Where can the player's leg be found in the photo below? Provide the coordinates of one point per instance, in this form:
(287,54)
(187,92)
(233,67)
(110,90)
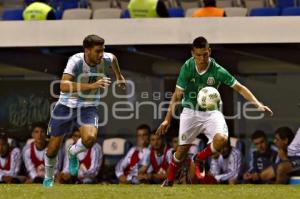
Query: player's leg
(268,173)
(88,138)
(189,128)
(218,142)
(215,129)
(282,172)
(51,159)
(59,124)
(87,119)
(178,158)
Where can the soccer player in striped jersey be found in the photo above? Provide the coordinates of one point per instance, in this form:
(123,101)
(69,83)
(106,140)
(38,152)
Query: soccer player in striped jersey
(80,86)
(198,72)
(227,166)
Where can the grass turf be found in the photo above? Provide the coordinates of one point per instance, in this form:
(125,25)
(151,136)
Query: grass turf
(149,192)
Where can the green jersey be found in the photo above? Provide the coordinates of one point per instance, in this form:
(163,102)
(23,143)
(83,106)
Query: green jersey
(191,81)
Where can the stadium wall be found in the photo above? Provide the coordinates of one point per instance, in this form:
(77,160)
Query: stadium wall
(231,30)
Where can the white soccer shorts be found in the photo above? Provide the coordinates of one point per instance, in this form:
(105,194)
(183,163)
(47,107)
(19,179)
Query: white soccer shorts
(193,122)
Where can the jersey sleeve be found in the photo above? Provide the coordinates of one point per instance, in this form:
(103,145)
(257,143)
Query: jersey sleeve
(71,65)
(182,78)
(234,166)
(226,78)
(108,59)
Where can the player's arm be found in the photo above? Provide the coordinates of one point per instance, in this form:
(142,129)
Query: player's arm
(67,84)
(247,94)
(116,68)
(142,174)
(176,97)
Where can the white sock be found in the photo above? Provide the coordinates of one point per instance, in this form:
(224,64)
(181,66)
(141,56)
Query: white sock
(50,166)
(77,148)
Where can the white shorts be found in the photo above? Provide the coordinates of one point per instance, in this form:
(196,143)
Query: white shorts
(193,122)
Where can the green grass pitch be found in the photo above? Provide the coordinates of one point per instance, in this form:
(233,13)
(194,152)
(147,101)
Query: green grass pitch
(150,192)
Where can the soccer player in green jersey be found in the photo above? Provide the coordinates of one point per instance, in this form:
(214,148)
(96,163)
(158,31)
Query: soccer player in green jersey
(197,72)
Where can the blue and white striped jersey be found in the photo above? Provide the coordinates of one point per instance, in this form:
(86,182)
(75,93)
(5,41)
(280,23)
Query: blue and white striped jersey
(226,169)
(83,73)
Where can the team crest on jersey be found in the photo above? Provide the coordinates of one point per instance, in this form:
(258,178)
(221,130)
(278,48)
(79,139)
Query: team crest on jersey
(210,81)
(193,80)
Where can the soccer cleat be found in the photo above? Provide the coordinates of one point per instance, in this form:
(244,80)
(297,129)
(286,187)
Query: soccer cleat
(73,163)
(48,182)
(167,183)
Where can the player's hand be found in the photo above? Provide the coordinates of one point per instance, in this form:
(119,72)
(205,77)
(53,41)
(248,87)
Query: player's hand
(163,128)
(282,154)
(265,109)
(101,83)
(121,83)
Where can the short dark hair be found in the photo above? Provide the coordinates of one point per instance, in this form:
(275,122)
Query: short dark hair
(208,3)
(92,40)
(41,125)
(200,42)
(285,132)
(258,134)
(144,126)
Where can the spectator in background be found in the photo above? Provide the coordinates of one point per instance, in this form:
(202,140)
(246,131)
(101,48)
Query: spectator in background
(283,137)
(262,157)
(209,10)
(127,169)
(10,161)
(226,168)
(89,163)
(147,9)
(157,170)
(39,10)
(292,165)
(34,152)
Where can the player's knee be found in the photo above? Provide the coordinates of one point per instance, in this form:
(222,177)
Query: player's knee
(267,174)
(89,140)
(281,169)
(182,151)
(219,141)
(52,151)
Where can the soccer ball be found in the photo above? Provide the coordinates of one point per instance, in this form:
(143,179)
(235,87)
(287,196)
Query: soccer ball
(209,98)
